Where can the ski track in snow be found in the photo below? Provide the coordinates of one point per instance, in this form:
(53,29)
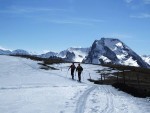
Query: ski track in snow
(107,106)
(88,98)
(80,107)
(109,102)
(81,103)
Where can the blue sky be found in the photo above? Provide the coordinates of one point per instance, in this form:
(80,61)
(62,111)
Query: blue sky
(41,25)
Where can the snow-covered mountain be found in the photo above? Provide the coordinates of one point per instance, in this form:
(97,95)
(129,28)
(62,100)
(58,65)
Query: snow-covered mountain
(5,52)
(14,52)
(19,52)
(146,58)
(74,54)
(71,54)
(48,55)
(108,50)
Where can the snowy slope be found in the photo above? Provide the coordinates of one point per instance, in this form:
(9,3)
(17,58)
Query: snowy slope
(19,52)
(74,54)
(79,53)
(14,52)
(48,55)
(24,88)
(146,58)
(5,52)
(70,54)
(109,50)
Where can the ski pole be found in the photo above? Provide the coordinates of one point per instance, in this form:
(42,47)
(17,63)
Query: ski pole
(89,75)
(75,75)
(82,76)
(67,74)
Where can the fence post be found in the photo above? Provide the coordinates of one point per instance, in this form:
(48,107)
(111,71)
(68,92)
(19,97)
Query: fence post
(138,80)
(101,77)
(117,76)
(124,81)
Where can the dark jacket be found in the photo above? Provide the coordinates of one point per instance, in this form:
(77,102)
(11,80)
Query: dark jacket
(79,69)
(73,67)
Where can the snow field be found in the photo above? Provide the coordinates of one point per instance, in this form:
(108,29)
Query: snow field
(25,88)
(40,100)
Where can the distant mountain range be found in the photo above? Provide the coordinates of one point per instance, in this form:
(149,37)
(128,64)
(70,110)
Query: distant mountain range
(71,54)
(105,50)
(15,52)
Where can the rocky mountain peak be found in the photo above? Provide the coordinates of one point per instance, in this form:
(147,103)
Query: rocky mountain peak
(114,51)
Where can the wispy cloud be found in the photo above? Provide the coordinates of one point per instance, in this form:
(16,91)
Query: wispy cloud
(128,1)
(141,16)
(134,4)
(119,35)
(75,21)
(71,1)
(89,19)
(68,21)
(51,15)
(22,10)
(139,1)
(146,1)
(65,19)
(139,7)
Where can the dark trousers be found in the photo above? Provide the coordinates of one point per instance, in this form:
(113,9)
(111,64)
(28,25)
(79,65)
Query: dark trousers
(72,73)
(79,76)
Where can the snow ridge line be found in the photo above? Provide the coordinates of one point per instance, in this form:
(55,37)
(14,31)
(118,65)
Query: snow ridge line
(82,100)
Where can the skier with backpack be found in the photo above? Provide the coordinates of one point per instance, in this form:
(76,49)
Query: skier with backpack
(79,69)
(72,67)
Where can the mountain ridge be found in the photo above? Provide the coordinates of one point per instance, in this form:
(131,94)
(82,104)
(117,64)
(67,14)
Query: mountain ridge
(110,50)
(105,50)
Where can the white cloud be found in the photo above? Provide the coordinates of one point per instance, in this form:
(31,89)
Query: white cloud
(141,16)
